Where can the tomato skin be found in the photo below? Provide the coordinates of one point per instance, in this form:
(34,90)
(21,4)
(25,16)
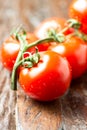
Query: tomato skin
(75,50)
(50,23)
(41,47)
(86,54)
(0,53)
(10,48)
(48,80)
(69,31)
(78,10)
(9,52)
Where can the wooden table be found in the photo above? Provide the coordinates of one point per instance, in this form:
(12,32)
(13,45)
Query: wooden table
(18,111)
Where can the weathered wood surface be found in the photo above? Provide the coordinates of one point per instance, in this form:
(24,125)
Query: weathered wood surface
(67,113)
(18,111)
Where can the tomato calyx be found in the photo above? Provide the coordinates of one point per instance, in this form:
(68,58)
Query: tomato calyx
(18,30)
(30,60)
(74,23)
(60,37)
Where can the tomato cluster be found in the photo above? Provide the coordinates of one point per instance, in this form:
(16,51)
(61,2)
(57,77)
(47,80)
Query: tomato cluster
(50,57)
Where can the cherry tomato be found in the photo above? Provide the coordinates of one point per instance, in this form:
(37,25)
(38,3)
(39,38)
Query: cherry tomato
(78,10)
(75,50)
(86,62)
(9,51)
(51,23)
(0,53)
(11,46)
(41,47)
(49,79)
(69,31)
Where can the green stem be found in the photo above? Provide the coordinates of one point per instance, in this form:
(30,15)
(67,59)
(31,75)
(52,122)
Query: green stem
(72,23)
(66,28)
(14,75)
(23,48)
(81,35)
(50,39)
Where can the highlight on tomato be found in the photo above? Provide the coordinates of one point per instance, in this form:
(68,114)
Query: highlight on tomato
(75,50)
(11,47)
(78,10)
(50,24)
(47,80)
(9,52)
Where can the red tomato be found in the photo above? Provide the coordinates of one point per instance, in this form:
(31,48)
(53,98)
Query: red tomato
(75,50)
(10,49)
(41,47)
(11,46)
(0,53)
(78,10)
(49,79)
(69,31)
(50,23)
(86,54)
(30,37)
(9,52)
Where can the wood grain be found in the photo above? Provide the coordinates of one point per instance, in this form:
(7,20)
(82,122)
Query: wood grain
(66,113)
(17,110)
(7,102)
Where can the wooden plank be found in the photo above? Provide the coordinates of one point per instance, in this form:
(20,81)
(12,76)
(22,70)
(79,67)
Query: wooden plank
(8,19)
(7,102)
(74,105)
(35,115)
(66,113)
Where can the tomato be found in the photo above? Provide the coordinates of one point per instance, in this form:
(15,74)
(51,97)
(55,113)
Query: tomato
(78,10)
(75,50)
(11,46)
(51,23)
(10,49)
(30,37)
(9,52)
(86,62)
(0,53)
(69,31)
(41,47)
(49,79)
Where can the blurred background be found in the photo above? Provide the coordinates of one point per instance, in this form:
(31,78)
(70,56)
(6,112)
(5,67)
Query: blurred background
(29,13)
